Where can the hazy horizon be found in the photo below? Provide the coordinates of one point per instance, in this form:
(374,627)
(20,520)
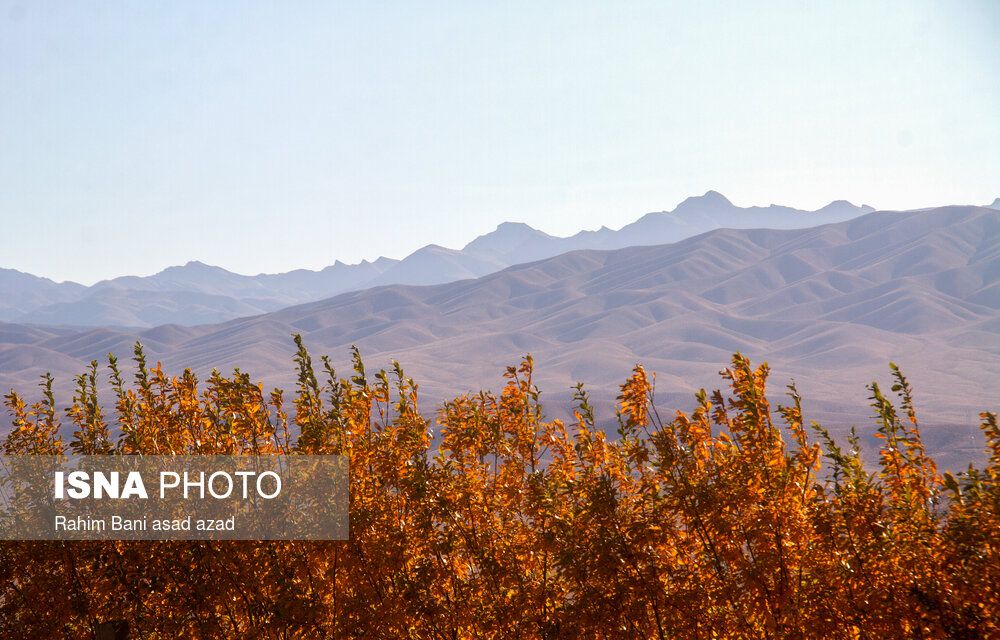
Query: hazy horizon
(458,246)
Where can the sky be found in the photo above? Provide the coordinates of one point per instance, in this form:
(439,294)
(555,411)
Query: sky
(264,137)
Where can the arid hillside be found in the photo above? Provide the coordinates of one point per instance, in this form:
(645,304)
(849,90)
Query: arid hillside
(829,306)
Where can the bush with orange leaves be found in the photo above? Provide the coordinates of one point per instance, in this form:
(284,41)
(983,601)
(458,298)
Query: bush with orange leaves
(716,524)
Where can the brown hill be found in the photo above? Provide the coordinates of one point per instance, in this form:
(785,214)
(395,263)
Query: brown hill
(829,306)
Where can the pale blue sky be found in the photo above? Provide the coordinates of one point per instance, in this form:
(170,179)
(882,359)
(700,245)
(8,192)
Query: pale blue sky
(137,135)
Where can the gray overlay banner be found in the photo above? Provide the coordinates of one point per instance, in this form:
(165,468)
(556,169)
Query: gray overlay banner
(275,497)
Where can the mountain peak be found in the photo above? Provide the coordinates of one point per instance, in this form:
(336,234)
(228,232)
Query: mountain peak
(513,226)
(193,265)
(506,237)
(840,206)
(193,272)
(995,205)
(711,201)
(512,230)
(713,196)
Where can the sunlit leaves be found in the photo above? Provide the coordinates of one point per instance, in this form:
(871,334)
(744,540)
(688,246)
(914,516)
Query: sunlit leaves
(725,522)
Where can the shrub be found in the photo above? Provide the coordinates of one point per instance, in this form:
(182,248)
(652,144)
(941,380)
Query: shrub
(706,525)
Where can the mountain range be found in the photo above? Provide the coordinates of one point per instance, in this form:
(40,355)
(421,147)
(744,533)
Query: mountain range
(198,293)
(829,306)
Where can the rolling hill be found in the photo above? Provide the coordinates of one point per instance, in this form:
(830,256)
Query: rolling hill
(197,293)
(829,306)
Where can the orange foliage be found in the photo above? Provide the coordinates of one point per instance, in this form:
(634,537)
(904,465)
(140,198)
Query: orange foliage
(709,525)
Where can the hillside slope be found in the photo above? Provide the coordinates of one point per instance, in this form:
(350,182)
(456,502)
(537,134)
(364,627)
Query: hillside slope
(829,306)
(197,293)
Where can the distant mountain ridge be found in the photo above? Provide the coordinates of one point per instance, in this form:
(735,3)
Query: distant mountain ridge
(22,291)
(198,293)
(829,306)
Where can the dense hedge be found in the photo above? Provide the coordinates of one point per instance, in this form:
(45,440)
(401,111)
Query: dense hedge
(706,525)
